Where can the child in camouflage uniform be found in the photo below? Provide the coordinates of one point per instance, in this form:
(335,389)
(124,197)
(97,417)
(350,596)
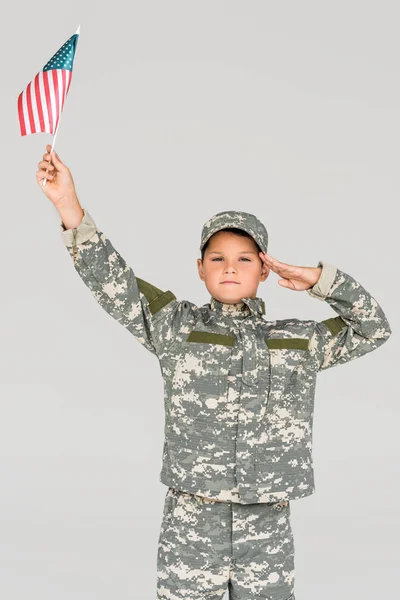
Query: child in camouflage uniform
(239,393)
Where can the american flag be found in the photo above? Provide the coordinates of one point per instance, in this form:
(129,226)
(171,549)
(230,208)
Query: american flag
(41,102)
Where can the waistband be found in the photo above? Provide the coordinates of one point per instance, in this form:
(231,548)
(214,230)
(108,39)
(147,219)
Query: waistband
(205,500)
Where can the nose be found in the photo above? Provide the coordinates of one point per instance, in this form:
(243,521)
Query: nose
(229,267)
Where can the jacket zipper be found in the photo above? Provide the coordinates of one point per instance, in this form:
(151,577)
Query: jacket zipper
(74,247)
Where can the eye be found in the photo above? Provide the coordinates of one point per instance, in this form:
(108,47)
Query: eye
(242,258)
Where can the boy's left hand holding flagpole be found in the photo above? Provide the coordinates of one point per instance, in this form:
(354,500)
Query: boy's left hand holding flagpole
(40,104)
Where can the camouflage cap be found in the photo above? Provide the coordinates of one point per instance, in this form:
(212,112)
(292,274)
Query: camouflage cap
(241,220)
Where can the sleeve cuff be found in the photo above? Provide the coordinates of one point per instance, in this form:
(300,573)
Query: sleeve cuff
(321,288)
(85,230)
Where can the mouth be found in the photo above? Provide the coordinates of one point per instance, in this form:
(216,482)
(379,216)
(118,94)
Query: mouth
(231,282)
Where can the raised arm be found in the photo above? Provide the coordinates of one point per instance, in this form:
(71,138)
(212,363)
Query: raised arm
(148,312)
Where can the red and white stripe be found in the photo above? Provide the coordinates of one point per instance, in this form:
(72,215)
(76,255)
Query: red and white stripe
(41,102)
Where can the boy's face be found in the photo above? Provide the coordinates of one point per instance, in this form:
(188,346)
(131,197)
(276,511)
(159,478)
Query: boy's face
(231,257)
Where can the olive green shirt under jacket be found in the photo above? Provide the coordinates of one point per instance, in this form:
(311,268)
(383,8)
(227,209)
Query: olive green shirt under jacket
(239,390)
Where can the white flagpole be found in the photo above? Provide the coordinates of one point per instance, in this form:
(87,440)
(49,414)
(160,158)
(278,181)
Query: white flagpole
(52,147)
(58,124)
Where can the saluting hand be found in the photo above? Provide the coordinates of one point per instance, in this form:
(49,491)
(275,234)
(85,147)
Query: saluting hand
(294,278)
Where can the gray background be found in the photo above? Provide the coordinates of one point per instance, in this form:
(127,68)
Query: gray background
(178,110)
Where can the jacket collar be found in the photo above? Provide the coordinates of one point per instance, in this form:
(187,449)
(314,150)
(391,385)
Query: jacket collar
(243,308)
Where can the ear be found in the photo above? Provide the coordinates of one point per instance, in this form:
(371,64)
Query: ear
(265,271)
(200,268)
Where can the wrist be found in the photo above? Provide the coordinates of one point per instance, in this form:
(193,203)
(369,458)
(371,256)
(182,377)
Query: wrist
(70,211)
(316,275)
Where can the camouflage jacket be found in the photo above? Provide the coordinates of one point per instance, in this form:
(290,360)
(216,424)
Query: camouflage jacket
(239,390)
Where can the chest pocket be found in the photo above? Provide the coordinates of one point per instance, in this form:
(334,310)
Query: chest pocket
(198,376)
(290,384)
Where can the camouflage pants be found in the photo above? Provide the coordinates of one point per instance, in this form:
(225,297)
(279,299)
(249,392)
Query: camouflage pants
(206,546)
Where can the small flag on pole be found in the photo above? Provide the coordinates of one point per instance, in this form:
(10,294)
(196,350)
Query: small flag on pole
(41,102)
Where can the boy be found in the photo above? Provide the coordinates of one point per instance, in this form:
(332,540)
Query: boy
(239,394)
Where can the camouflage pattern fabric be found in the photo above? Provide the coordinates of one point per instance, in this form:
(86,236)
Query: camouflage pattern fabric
(206,547)
(238,389)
